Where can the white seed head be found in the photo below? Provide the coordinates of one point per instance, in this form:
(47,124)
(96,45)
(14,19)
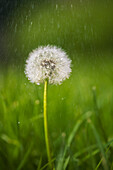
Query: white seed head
(48,62)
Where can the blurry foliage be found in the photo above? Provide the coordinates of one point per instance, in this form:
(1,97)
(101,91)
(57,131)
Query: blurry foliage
(74,112)
(76,26)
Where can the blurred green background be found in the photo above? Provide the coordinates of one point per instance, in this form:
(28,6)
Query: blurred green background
(80,111)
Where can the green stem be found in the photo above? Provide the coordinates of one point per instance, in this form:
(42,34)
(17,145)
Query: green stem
(46,125)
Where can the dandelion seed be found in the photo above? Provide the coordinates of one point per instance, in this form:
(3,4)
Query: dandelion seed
(48,62)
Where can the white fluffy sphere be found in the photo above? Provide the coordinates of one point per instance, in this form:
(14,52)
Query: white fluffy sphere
(48,62)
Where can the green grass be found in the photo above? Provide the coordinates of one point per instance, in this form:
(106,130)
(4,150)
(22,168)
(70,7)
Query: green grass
(80,119)
(80,111)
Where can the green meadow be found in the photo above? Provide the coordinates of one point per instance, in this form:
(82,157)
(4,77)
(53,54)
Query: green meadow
(80,110)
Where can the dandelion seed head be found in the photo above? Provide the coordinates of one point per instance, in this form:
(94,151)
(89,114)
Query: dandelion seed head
(48,62)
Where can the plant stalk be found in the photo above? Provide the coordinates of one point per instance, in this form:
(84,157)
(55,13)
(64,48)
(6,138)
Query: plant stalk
(46,125)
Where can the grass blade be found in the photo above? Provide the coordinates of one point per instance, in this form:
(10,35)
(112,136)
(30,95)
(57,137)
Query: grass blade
(70,139)
(47,164)
(102,158)
(66,162)
(25,157)
(100,145)
(39,165)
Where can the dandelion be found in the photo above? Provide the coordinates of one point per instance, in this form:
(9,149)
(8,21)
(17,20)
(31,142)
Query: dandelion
(47,64)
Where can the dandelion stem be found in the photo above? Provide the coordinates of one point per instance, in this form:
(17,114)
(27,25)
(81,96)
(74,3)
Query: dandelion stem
(46,125)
